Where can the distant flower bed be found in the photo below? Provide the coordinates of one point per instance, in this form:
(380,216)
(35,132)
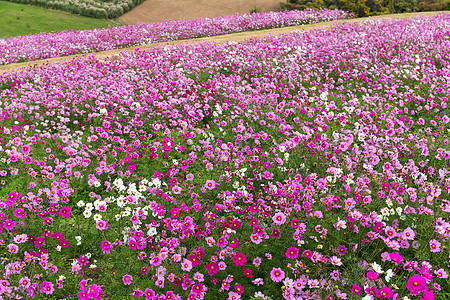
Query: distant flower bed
(89,8)
(64,43)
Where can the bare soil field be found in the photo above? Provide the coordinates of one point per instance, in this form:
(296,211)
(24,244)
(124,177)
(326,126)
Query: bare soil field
(237,37)
(152,11)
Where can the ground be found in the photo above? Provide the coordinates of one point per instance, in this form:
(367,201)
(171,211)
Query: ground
(152,11)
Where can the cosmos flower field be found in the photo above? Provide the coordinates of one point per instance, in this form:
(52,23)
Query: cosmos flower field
(71,42)
(310,165)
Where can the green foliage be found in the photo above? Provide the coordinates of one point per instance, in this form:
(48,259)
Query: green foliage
(356,6)
(363,8)
(255,10)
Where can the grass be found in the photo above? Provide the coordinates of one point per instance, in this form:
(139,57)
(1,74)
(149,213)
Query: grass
(20,19)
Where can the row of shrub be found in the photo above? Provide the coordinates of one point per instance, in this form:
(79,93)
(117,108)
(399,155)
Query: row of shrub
(364,8)
(90,8)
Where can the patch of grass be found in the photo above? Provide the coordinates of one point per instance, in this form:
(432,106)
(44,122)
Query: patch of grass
(20,19)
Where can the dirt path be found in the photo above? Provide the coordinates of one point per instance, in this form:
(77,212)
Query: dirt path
(161,10)
(219,39)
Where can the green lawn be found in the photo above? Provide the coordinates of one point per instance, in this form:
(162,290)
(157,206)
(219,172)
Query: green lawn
(20,19)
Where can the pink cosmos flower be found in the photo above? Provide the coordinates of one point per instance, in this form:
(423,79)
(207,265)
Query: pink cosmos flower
(222,265)
(313,283)
(307,253)
(335,260)
(127,279)
(13,248)
(39,242)
(131,167)
(233,296)
(441,273)
(149,294)
(409,234)
(427,294)
(106,246)
(396,257)
(222,242)
(239,289)
(435,246)
(199,277)
(211,184)
(47,288)
(279,218)
(386,293)
(9,224)
(102,225)
(20,213)
(83,295)
(197,288)
(83,260)
(276,234)
(255,238)
(277,274)
(186,265)
(258,281)
(248,273)
(25,282)
(335,275)
(137,293)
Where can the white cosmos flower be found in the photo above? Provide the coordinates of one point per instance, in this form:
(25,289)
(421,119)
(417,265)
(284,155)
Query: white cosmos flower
(377,268)
(120,202)
(97,217)
(118,182)
(157,182)
(152,231)
(87,214)
(389,275)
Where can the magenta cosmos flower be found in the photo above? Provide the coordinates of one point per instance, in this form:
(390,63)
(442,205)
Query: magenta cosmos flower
(372,276)
(212,268)
(356,289)
(65,212)
(239,259)
(127,279)
(292,252)
(277,274)
(416,284)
